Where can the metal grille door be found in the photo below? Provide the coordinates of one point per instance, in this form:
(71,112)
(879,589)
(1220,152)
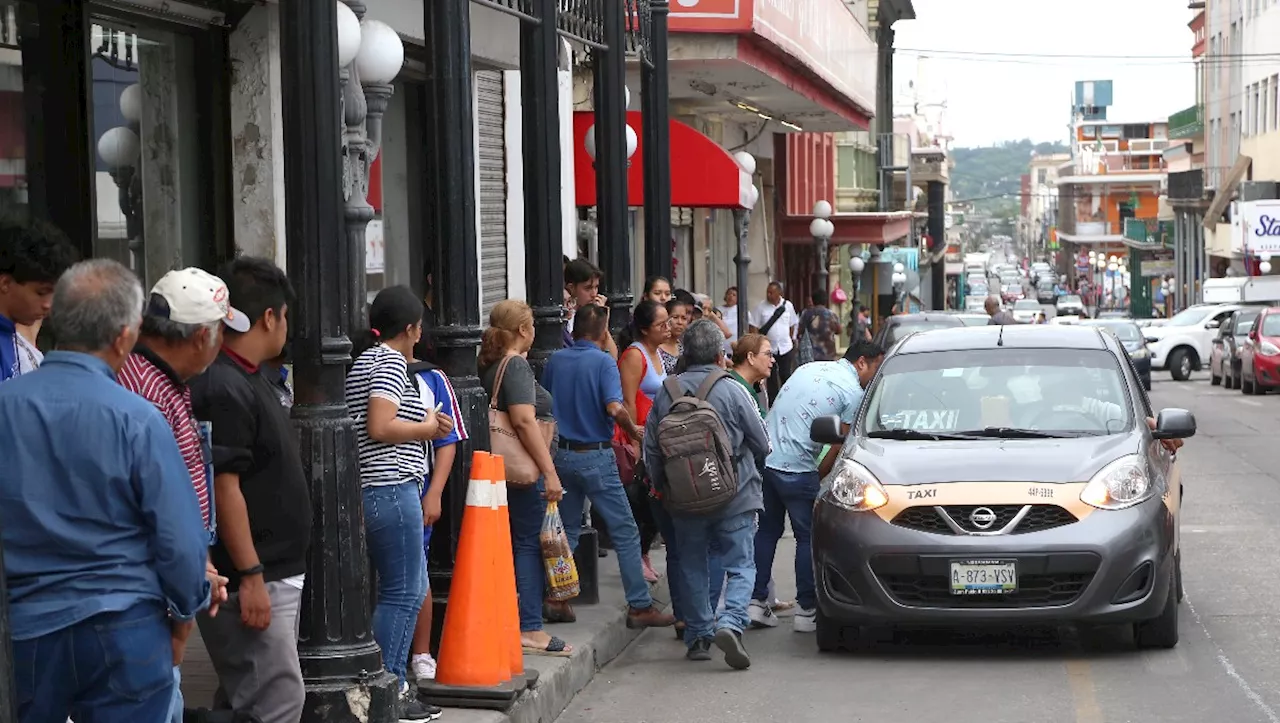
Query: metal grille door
(492,163)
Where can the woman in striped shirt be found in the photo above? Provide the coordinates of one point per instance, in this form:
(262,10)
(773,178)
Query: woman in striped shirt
(392,422)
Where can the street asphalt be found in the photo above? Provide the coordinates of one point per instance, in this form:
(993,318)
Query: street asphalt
(1226,668)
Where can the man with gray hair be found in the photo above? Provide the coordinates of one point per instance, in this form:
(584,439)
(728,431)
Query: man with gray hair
(104,550)
(179,339)
(731,529)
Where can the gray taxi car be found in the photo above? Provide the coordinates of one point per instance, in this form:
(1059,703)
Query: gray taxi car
(1001,475)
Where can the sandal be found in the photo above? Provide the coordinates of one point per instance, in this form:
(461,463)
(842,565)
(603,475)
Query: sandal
(554,611)
(555,648)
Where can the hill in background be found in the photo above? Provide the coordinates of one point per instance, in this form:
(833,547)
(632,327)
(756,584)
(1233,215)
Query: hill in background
(994,174)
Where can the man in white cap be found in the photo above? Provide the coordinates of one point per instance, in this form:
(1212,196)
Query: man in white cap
(180,337)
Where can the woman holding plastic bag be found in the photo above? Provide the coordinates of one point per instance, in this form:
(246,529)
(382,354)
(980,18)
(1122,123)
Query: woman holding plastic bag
(520,407)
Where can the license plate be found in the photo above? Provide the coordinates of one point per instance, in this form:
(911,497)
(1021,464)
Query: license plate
(983,577)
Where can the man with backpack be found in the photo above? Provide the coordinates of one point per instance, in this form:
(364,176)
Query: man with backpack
(704,444)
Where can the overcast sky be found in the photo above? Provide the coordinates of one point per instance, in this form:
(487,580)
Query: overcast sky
(992,97)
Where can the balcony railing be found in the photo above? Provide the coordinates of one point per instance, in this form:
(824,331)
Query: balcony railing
(1188,123)
(1148,145)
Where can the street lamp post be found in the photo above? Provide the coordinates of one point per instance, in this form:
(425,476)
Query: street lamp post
(822,230)
(121,149)
(742,227)
(899,281)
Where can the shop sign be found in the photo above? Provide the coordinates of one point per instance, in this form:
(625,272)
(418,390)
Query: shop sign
(1260,227)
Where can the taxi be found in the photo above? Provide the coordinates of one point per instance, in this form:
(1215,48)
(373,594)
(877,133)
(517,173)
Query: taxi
(1001,475)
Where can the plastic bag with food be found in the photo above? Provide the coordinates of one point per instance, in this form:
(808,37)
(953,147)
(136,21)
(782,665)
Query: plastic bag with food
(562,572)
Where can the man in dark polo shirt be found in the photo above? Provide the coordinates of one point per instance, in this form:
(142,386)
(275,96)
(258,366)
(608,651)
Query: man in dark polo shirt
(262,502)
(586,398)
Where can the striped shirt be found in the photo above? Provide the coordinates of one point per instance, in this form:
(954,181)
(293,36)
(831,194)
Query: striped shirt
(382,372)
(147,375)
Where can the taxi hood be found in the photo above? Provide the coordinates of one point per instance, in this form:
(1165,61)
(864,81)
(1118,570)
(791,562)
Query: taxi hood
(896,462)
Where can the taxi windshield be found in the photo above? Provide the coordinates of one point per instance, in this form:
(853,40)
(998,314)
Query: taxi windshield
(1027,392)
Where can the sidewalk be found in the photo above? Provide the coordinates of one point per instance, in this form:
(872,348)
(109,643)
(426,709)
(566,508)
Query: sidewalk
(598,637)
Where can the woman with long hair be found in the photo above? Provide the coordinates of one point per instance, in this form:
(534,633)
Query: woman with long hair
(657,288)
(509,338)
(641,368)
(392,427)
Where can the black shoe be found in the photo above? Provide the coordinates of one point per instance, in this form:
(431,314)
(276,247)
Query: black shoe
(701,650)
(411,708)
(735,654)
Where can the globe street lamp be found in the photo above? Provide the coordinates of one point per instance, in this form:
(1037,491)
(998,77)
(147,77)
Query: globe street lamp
(821,229)
(633,141)
(742,225)
(856,266)
(121,149)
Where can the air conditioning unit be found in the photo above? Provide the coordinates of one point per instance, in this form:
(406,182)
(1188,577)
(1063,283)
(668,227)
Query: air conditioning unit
(1259,190)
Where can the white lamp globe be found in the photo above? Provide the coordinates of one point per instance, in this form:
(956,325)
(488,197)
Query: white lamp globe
(131,103)
(381,53)
(822,209)
(899,278)
(746,162)
(119,147)
(898,268)
(1113,259)
(1265,267)
(856,264)
(818,228)
(1093,255)
(348,35)
(1112,267)
(753,195)
(589,142)
(632,141)
(831,228)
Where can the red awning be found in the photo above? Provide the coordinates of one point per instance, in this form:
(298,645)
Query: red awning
(853,228)
(703,175)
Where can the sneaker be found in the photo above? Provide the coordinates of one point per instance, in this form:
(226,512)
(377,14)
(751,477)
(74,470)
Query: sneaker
(735,653)
(424,666)
(700,650)
(761,614)
(650,617)
(412,708)
(805,621)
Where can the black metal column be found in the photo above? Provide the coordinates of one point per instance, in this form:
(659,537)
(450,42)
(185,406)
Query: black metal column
(657,147)
(451,223)
(335,642)
(610,81)
(539,96)
(937,194)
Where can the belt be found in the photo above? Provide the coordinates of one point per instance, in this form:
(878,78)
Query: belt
(584,446)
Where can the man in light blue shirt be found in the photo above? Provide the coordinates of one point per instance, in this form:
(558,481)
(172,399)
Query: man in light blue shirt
(791,476)
(105,546)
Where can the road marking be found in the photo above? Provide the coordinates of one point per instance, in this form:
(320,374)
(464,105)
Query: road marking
(1250,402)
(1230,669)
(1084,694)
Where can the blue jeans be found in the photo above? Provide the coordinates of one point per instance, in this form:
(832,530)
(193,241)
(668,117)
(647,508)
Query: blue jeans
(594,475)
(787,494)
(112,668)
(675,578)
(527,509)
(733,535)
(393,529)
(175,712)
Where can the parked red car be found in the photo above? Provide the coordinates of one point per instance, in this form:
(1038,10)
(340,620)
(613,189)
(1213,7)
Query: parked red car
(1260,354)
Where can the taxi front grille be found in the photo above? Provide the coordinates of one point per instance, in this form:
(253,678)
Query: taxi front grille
(989,519)
(934,591)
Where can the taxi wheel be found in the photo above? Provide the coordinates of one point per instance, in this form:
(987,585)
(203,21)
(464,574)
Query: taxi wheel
(830,633)
(1161,632)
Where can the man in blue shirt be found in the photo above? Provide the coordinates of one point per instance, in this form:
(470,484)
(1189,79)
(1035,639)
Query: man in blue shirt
(586,399)
(104,541)
(791,476)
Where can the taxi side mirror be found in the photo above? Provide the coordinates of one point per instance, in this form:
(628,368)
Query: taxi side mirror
(826,430)
(1174,424)
(1213,324)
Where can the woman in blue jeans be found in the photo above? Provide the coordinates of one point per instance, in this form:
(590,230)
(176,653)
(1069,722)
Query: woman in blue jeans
(392,426)
(506,343)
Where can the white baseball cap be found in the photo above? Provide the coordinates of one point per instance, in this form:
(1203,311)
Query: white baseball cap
(195,296)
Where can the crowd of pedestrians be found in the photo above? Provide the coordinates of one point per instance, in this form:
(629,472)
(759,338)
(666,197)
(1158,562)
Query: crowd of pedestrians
(110,560)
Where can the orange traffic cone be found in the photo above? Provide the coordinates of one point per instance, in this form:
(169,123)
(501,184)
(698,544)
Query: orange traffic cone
(474,665)
(505,573)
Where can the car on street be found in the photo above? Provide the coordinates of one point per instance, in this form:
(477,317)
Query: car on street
(1011,293)
(1005,475)
(896,328)
(1184,344)
(1260,354)
(1070,305)
(1130,337)
(1224,358)
(1024,311)
(1045,292)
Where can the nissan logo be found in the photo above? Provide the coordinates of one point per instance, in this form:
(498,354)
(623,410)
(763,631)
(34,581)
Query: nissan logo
(982,518)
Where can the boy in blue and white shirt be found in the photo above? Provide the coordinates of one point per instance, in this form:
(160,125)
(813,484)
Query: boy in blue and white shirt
(434,388)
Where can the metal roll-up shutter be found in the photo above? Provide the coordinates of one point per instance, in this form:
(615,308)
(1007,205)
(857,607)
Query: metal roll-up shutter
(492,162)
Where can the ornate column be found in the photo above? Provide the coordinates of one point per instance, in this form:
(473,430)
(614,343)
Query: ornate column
(611,163)
(341,663)
(657,142)
(539,96)
(450,203)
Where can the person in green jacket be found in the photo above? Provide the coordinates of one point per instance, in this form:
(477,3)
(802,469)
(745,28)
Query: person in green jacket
(752,361)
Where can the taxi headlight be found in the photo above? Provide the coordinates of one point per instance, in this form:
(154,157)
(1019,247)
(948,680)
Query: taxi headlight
(853,487)
(1139,353)
(1121,484)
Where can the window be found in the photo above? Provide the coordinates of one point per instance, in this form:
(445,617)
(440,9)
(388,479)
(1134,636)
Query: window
(13,150)
(846,166)
(1270,325)
(1274,83)
(1042,176)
